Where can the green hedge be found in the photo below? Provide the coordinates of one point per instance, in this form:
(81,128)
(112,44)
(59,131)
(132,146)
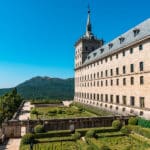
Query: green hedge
(116,124)
(53,134)
(140,130)
(133,121)
(144,123)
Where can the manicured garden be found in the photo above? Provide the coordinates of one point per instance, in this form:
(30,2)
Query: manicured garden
(117,137)
(75,110)
(59,112)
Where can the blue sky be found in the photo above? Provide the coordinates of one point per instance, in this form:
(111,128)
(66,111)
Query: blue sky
(37,36)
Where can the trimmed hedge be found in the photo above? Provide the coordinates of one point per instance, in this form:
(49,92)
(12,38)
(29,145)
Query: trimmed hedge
(133,121)
(39,129)
(27,138)
(76,135)
(125,130)
(116,124)
(50,134)
(90,134)
(140,130)
(143,123)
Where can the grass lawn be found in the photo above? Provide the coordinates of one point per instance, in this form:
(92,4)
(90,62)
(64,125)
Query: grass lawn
(61,112)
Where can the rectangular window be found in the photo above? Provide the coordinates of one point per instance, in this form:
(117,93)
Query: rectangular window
(97,83)
(106,83)
(111,82)
(111,98)
(132,101)
(106,98)
(124,69)
(124,101)
(97,74)
(101,83)
(131,67)
(110,58)
(106,73)
(101,97)
(140,47)
(117,99)
(117,71)
(116,55)
(123,53)
(97,97)
(131,50)
(142,103)
(141,65)
(141,79)
(132,80)
(111,72)
(101,73)
(105,59)
(117,81)
(124,81)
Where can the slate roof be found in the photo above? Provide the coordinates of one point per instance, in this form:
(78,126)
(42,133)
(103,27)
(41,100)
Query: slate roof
(142,30)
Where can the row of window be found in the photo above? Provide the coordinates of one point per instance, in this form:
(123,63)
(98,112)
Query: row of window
(116,99)
(111,72)
(111,82)
(131,51)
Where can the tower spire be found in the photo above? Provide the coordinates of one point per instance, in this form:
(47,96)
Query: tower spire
(88,25)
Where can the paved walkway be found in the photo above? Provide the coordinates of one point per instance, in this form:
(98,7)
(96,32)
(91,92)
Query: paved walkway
(14,143)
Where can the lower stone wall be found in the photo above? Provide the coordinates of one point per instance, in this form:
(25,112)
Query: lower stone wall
(12,128)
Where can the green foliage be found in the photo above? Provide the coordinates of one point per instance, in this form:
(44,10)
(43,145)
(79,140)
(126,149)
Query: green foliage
(133,121)
(125,130)
(90,134)
(46,88)
(90,147)
(27,139)
(76,135)
(9,104)
(143,123)
(91,109)
(104,147)
(140,130)
(116,124)
(39,129)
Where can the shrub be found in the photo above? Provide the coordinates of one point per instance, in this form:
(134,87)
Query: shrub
(28,138)
(144,123)
(59,111)
(125,130)
(39,129)
(133,121)
(91,133)
(90,147)
(76,135)
(116,124)
(104,147)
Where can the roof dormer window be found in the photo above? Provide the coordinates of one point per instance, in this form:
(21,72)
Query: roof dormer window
(102,50)
(94,54)
(121,40)
(136,32)
(110,45)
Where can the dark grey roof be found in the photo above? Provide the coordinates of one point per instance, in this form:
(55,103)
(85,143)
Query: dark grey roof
(138,32)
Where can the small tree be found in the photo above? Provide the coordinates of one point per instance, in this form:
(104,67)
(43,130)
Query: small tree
(28,138)
(39,129)
(133,121)
(116,124)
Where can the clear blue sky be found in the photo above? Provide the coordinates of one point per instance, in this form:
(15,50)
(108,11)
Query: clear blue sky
(37,36)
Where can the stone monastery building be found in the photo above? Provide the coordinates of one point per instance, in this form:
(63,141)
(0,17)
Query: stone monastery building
(114,76)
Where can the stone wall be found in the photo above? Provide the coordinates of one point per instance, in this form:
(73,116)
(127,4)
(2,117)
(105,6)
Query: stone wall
(12,128)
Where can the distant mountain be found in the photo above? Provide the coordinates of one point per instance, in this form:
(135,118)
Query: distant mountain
(45,88)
